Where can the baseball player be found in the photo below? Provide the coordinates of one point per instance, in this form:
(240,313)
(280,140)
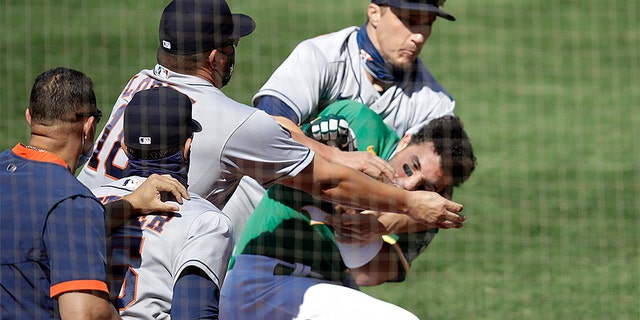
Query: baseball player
(287,255)
(376,64)
(52,229)
(196,57)
(165,266)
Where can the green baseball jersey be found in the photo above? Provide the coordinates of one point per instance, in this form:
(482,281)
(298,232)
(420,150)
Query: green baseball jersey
(278,228)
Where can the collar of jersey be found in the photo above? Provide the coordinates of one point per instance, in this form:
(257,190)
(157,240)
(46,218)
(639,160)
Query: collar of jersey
(167,74)
(35,155)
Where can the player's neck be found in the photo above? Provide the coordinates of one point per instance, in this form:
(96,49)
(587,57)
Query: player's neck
(380,86)
(64,147)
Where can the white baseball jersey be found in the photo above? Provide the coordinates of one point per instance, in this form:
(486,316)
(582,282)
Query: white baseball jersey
(148,255)
(235,140)
(329,68)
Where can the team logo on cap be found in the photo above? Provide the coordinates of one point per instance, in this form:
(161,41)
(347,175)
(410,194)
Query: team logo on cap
(144,140)
(166,44)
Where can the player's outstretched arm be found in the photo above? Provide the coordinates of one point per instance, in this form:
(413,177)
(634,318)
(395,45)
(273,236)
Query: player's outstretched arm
(342,185)
(366,162)
(363,226)
(401,223)
(145,199)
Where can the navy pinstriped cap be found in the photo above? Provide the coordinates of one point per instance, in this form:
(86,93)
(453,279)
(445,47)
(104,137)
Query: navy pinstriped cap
(192,26)
(419,5)
(157,119)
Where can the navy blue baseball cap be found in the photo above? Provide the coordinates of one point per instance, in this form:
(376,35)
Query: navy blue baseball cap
(192,26)
(157,119)
(419,5)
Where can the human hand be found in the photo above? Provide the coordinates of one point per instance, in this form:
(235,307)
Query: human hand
(367,163)
(355,227)
(149,196)
(435,211)
(333,131)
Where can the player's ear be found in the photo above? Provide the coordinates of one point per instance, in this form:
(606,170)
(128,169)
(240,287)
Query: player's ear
(27,115)
(88,127)
(404,142)
(187,148)
(212,58)
(374,12)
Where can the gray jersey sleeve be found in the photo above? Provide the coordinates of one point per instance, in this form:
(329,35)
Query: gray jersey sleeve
(328,68)
(263,150)
(300,88)
(208,245)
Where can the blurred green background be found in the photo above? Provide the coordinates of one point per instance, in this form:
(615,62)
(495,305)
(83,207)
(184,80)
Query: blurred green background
(548,91)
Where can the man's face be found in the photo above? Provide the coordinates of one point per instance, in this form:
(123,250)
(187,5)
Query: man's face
(418,167)
(401,34)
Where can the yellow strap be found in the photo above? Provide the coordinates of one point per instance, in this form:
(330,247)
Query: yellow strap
(370,150)
(396,247)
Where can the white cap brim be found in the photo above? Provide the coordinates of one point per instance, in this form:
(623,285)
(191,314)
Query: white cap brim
(357,255)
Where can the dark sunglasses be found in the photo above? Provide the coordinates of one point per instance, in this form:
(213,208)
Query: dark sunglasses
(97,115)
(233,43)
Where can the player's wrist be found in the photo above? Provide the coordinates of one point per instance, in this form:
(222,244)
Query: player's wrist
(131,205)
(410,207)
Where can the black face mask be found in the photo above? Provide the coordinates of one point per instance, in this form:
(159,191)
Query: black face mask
(174,165)
(226,77)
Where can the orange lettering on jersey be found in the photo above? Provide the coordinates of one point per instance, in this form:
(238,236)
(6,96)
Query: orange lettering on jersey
(127,90)
(108,199)
(157,223)
(142,220)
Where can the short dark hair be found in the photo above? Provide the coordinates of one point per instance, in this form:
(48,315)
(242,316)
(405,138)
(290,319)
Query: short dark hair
(452,144)
(59,94)
(185,64)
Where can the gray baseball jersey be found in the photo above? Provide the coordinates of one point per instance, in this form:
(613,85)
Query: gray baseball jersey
(329,68)
(148,255)
(235,140)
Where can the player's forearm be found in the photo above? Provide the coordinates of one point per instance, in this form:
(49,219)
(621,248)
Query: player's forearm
(366,162)
(86,305)
(350,187)
(117,213)
(342,185)
(346,186)
(150,196)
(401,223)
